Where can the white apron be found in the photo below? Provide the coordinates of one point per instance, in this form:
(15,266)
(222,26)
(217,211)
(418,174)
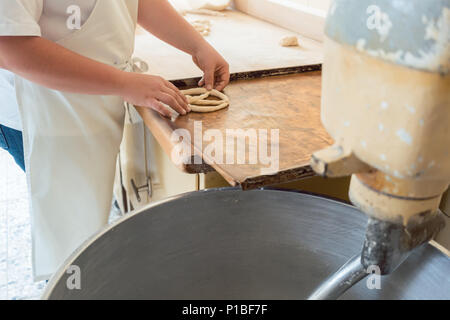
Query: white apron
(71,141)
(136,166)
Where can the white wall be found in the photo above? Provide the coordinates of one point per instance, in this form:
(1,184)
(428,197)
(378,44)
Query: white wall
(317,4)
(289,14)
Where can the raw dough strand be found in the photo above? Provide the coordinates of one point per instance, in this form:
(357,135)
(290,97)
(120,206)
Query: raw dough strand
(193,100)
(208,102)
(205,109)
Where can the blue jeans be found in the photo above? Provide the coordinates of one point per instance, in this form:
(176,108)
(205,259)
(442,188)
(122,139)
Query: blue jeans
(11,141)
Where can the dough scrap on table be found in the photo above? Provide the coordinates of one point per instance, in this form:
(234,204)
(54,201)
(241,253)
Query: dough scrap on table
(205,7)
(198,100)
(202,26)
(289,41)
(216,5)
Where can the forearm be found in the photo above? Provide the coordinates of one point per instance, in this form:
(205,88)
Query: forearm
(55,67)
(162,20)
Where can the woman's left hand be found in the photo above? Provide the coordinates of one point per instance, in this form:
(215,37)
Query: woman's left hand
(216,70)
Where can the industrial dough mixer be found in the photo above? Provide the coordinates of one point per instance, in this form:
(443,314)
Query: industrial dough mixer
(233,244)
(386,103)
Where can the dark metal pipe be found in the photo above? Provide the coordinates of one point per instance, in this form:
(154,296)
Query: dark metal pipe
(346,277)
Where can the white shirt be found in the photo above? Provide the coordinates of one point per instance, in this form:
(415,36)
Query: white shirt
(50,19)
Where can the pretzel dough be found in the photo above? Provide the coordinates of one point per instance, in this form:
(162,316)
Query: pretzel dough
(202,26)
(198,102)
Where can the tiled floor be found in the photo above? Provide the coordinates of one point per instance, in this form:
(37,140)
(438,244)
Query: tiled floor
(15,236)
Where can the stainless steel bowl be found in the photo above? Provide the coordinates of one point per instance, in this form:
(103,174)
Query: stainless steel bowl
(231,244)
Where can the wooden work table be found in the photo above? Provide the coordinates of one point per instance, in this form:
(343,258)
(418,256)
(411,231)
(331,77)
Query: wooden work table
(289,103)
(247,43)
(272,87)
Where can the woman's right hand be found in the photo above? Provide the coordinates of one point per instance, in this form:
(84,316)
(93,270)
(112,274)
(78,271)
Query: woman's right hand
(151,92)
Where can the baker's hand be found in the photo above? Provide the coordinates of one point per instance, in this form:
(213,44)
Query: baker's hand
(216,70)
(151,92)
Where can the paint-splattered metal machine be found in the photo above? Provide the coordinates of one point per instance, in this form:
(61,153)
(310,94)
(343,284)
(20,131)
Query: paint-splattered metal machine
(386,102)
